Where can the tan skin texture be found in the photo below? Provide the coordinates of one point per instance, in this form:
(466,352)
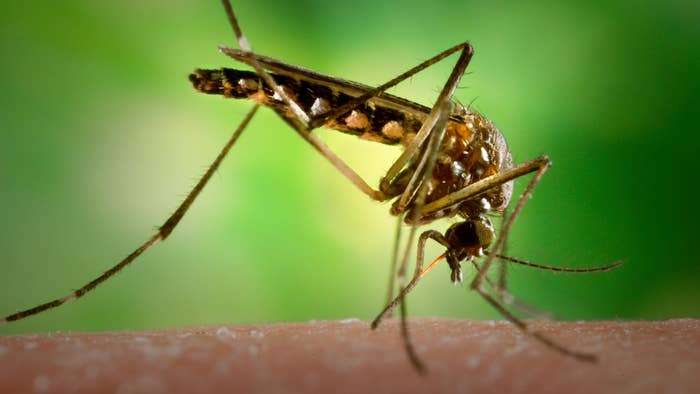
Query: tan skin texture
(345,356)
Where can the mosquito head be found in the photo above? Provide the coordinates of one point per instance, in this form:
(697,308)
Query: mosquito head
(467,240)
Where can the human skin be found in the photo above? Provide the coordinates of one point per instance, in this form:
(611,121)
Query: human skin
(346,356)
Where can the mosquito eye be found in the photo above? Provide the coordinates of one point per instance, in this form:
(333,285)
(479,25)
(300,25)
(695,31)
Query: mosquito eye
(462,235)
(470,238)
(484,232)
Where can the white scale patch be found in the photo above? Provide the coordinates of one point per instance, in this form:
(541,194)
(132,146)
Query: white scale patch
(289,93)
(248,84)
(320,106)
(68,298)
(485,155)
(457,169)
(393,130)
(485,204)
(357,120)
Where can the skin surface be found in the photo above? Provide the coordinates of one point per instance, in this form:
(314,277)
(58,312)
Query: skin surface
(346,356)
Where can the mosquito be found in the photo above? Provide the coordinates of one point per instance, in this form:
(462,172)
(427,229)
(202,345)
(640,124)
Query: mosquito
(455,163)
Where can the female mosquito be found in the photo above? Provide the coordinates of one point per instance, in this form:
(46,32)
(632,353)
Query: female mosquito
(455,163)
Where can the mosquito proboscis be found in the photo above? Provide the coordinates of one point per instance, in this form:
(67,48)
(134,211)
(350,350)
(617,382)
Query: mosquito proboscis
(455,163)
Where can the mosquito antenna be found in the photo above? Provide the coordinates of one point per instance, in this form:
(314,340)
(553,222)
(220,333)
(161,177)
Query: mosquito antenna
(559,269)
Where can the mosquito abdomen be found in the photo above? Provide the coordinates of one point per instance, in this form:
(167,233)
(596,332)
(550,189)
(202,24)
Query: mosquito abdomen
(368,121)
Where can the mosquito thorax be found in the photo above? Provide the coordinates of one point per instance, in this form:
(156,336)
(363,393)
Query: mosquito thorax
(472,150)
(467,240)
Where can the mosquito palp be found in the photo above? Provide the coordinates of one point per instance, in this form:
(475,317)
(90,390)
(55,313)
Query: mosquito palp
(455,164)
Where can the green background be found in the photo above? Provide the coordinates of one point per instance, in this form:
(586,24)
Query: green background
(102,137)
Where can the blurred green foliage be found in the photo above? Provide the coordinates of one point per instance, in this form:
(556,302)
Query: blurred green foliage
(102,136)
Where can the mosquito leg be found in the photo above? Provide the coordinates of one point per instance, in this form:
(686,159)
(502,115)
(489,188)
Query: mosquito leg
(434,125)
(299,122)
(425,167)
(401,299)
(538,165)
(457,72)
(163,232)
(259,62)
(432,234)
(248,54)
(408,344)
(541,165)
(510,300)
(414,146)
(501,285)
(303,125)
(423,170)
(531,311)
(394,259)
(418,273)
(436,120)
(528,331)
(502,266)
